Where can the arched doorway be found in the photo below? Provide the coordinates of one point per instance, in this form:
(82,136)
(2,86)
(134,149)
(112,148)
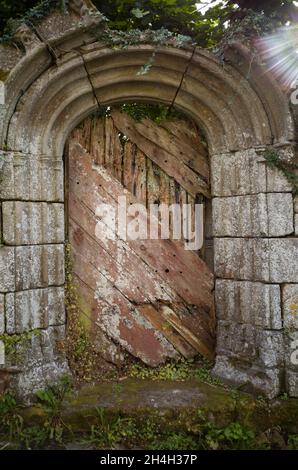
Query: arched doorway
(242,112)
(146,287)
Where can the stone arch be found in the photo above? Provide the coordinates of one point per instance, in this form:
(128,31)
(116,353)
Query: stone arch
(241,110)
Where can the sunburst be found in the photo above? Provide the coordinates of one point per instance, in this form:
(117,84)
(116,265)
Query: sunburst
(280,53)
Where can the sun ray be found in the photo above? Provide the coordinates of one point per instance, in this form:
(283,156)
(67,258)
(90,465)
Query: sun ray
(280,53)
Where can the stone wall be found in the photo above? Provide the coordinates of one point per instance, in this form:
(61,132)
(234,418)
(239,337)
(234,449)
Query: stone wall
(256,253)
(32,268)
(62,77)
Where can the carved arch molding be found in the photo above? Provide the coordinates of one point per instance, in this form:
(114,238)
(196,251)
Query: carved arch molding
(64,76)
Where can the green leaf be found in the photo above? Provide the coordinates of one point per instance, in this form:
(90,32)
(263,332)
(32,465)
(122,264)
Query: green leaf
(139,13)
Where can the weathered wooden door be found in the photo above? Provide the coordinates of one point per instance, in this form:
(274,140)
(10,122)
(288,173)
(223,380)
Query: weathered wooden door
(152,297)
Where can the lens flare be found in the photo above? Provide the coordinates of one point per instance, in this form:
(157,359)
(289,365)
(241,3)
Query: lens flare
(280,53)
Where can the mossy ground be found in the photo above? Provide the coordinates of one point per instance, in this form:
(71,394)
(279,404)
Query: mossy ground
(150,414)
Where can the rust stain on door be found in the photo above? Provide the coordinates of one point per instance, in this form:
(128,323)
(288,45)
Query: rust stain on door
(152,297)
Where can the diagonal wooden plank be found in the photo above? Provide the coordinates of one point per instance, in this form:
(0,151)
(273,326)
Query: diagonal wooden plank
(173,166)
(119,319)
(179,147)
(184,269)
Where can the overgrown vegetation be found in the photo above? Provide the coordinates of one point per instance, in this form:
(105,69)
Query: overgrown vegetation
(175,370)
(51,400)
(13,343)
(157,113)
(289,170)
(185,430)
(28,12)
(189,430)
(183,17)
(84,357)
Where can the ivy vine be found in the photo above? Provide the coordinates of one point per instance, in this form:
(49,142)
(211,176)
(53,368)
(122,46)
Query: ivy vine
(14,341)
(34,15)
(289,170)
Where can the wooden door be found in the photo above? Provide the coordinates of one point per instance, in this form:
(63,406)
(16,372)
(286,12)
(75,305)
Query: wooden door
(151,297)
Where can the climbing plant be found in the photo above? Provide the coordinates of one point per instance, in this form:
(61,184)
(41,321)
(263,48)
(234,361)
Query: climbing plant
(289,170)
(185,17)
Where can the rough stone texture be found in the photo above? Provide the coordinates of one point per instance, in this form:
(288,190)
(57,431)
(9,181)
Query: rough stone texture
(269,260)
(296,225)
(280,214)
(291,349)
(287,153)
(29,178)
(238,173)
(243,259)
(2,93)
(290,305)
(296,204)
(291,358)
(29,223)
(237,111)
(283,260)
(32,309)
(245,173)
(250,344)
(292,383)
(2,314)
(7,269)
(39,266)
(176,400)
(242,216)
(252,303)
(253,216)
(277,182)
(248,377)
(42,361)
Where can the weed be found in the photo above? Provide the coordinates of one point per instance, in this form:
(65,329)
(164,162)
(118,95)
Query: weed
(13,343)
(52,400)
(111,430)
(11,422)
(293,442)
(34,437)
(234,436)
(289,170)
(173,370)
(175,441)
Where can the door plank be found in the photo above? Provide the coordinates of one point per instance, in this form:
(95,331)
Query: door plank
(152,289)
(173,166)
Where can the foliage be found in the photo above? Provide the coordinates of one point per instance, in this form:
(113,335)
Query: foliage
(34,437)
(287,169)
(175,441)
(162,36)
(293,442)
(233,436)
(52,400)
(11,422)
(184,17)
(111,430)
(189,429)
(26,12)
(188,17)
(173,370)
(157,432)
(84,356)
(157,113)
(13,343)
